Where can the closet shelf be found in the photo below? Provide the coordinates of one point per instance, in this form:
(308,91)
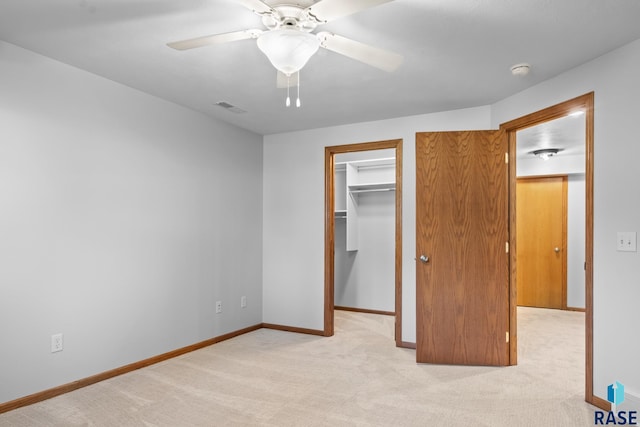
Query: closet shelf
(372,187)
(357,180)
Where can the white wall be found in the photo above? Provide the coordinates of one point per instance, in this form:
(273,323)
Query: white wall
(123,218)
(366,278)
(293,277)
(576,203)
(614,79)
(558,165)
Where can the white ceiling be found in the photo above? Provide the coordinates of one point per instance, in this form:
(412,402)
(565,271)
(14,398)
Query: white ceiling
(567,134)
(457,53)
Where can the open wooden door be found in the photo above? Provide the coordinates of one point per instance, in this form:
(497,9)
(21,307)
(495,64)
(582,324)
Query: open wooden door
(462,264)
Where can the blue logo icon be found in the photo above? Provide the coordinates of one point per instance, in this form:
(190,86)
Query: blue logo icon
(615,393)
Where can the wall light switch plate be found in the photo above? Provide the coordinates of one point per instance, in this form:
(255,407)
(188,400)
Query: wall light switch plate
(626,241)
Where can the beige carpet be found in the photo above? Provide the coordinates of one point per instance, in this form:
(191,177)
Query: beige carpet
(356,378)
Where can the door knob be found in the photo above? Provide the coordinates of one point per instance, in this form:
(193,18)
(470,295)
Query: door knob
(424,259)
(557,249)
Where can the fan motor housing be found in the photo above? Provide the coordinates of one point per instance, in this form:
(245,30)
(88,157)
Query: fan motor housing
(289,16)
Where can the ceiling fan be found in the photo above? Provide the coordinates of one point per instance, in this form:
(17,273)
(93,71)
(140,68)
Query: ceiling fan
(289,41)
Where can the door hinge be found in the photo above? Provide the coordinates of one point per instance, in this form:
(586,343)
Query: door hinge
(507,337)
(506,158)
(506,247)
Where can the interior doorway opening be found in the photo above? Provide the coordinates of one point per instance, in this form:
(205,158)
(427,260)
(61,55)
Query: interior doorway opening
(581,107)
(367,165)
(550,213)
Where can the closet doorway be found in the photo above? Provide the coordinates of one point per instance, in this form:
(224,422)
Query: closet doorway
(357,177)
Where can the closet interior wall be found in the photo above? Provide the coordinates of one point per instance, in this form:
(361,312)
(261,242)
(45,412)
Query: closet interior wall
(365,230)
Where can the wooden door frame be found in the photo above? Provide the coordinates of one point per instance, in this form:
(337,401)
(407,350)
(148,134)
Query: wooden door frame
(584,103)
(329,229)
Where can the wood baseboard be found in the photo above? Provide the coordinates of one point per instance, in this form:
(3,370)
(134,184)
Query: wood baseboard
(293,329)
(404,344)
(599,403)
(66,388)
(364,310)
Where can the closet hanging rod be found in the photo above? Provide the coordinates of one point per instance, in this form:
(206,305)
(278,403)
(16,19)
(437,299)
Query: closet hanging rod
(384,162)
(372,190)
(380,166)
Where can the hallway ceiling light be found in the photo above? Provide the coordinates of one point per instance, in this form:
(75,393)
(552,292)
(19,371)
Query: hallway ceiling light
(546,153)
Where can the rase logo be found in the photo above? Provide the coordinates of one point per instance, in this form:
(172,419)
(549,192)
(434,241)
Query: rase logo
(615,395)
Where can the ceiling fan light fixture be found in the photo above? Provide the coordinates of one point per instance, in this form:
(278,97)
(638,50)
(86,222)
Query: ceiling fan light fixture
(546,153)
(288,49)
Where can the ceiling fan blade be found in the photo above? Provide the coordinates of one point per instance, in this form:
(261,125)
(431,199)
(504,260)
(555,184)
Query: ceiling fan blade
(376,57)
(215,39)
(283,82)
(256,6)
(328,10)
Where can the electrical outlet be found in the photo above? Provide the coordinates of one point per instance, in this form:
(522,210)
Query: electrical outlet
(243,302)
(56,343)
(218,307)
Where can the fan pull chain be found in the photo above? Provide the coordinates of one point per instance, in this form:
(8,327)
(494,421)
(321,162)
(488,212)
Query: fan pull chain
(288,101)
(298,100)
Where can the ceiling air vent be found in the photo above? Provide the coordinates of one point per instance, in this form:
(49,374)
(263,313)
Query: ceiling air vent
(230,107)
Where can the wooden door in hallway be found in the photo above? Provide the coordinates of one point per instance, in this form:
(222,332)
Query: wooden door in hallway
(541,227)
(462,267)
